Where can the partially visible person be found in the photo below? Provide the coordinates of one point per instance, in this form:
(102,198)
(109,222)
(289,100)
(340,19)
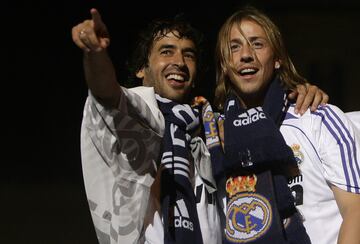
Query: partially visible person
(354,116)
(266,146)
(147,171)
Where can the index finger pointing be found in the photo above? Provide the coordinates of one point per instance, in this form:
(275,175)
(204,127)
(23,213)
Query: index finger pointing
(96,17)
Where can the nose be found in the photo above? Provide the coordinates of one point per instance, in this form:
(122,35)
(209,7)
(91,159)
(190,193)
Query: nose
(247,54)
(179,60)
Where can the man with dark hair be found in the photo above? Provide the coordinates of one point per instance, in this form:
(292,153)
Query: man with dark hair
(147,171)
(143,160)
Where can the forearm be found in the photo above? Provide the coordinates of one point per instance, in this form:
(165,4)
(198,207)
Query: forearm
(100,77)
(349,231)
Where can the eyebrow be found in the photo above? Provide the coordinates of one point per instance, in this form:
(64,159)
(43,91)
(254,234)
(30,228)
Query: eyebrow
(167,46)
(251,38)
(190,49)
(170,46)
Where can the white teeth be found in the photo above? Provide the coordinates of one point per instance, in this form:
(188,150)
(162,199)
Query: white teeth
(248,70)
(175,77)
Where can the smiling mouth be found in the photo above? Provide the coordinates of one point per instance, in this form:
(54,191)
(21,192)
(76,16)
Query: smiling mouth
(177,81)
(176,77)
(248,71)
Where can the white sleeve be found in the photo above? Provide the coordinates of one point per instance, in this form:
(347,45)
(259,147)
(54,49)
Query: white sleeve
(139,103)
(137,111)
(144,106)
(339,147)
(119,152)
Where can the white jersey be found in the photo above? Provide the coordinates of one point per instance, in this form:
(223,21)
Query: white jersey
(326,148)
(120,150)
(354,116)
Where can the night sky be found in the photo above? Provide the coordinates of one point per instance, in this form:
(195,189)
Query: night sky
(42,193)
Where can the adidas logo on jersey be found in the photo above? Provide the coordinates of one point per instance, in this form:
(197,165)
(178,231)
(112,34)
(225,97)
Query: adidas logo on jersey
(251,116)
(181,215)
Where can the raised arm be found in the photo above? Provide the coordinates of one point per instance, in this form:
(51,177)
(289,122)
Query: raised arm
(93,38)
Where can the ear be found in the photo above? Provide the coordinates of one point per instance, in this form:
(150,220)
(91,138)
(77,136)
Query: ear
(140,74)
(277,64)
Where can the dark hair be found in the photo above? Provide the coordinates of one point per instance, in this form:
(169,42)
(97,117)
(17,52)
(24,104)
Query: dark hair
(159,28)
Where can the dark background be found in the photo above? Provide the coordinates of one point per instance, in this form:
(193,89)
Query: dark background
(43,92)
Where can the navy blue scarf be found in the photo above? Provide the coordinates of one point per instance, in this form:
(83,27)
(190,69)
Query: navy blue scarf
(181,223)
(260,207)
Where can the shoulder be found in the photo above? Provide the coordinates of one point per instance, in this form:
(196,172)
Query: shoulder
(143,100)
(141,93)
(322,113)
(331,120)
(328,117)
(138,103)
(330,114)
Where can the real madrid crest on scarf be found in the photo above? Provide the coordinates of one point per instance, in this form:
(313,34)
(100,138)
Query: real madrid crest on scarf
(249,214)
(250,210)
(259,205)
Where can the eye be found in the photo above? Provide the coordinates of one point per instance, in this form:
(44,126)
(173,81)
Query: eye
(257,44)
(190,55)
(234,47)
(166,52)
